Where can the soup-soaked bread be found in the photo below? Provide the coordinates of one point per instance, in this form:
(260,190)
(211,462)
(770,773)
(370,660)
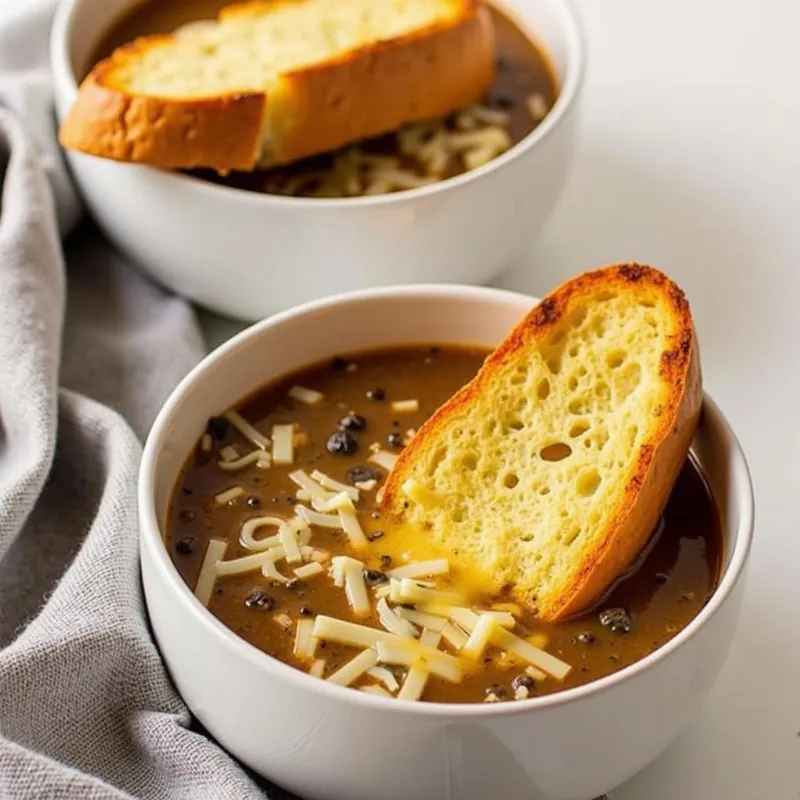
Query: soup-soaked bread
(273,82)
(549,471)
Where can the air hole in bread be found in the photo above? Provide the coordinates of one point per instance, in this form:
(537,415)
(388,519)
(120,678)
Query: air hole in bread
(578,406)
(602,390)
(514,424)
(510,480)
(573,351)
(616,358)
(544,491)
(526,537)
(588,483)
(572,383)
(578,428)
(555,452)
(457,515)
(558,338)
(436,460)
(469,461)
(571,536)
(489,427)
(606,296)
(554,364)
(598,327)
(543,389)
(577,317)
(581,371)
(626,383)
(647,303)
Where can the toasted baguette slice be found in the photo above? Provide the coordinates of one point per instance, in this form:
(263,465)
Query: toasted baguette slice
(551,468)
(272,82)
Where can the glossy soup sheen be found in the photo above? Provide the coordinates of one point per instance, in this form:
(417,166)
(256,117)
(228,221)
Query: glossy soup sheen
(668,587)
(522,71)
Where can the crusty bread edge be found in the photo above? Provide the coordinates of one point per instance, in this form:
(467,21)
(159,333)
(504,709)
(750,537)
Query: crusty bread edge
(361,94)
(660,459)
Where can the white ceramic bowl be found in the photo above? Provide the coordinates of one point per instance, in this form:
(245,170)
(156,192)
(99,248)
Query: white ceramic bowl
(323,741)
(249,255)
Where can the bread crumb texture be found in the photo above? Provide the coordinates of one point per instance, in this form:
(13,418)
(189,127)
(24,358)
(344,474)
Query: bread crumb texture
(253,44)
(534,461)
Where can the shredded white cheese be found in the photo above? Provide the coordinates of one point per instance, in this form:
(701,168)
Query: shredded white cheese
(309,570)
(215,552)
(229,453)
(411,653)
(255,437)
(367,486)
(283,620)
(393,623)
(421,618)
(384,459)
(417,677)
(241,566)
(229,495)
(338,502)
(303,395)
(349,633)
(537,106)
(410,591)
(329,483)
(351,572)
(351,526)
(317,668)
(533,655)
(305,644)
(315,518)
(479,638)
(261,459)
(405,406)
(454,636)
(206,443)
(283,444)
(247,535)
(421,495)
(421,569)
(354,669)
(290,544)
(320,556)
(503,618)
(385,676)
(308,485)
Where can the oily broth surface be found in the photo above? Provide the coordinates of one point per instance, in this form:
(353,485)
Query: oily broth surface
(522,71)
(664,593)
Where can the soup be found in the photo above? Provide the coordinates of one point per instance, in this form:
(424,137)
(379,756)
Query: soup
(336,428)
(524,90)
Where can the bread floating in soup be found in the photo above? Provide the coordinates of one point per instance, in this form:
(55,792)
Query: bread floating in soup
(402,96)
(445,524)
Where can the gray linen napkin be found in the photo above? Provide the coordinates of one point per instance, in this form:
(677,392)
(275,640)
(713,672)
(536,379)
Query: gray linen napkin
(88,351)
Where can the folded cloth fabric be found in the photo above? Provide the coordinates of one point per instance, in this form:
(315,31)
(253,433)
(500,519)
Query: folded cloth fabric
(88,350)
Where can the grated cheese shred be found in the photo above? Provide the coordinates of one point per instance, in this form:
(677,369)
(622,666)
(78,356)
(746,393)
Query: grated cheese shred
(208,574)
(255,437)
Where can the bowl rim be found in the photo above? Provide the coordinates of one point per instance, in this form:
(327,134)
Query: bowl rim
(151,538)
(570,22)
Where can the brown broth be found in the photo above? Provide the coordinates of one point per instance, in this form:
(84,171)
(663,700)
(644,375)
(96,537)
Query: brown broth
(665,591)
(522,70)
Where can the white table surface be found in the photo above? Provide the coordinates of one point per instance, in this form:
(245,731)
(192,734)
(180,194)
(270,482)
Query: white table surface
(690,160)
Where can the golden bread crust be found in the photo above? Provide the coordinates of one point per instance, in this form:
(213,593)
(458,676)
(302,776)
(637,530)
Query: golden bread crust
(364,93)
(660,458)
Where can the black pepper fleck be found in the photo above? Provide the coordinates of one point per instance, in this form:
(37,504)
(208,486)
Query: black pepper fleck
(374,577)
(523,682)
(185,546)
(585,637)
(305,611)
(375,535)
(253,502)
(377,394)
(361,474)
(339,364)
(617,620)
(433,350)
(342,443)
(503,101)
(188,492)
(259,599)
(353,422)
(661,577)
(395,440)
(293,583)
(386,561)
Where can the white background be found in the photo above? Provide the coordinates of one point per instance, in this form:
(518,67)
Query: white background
(690,160)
